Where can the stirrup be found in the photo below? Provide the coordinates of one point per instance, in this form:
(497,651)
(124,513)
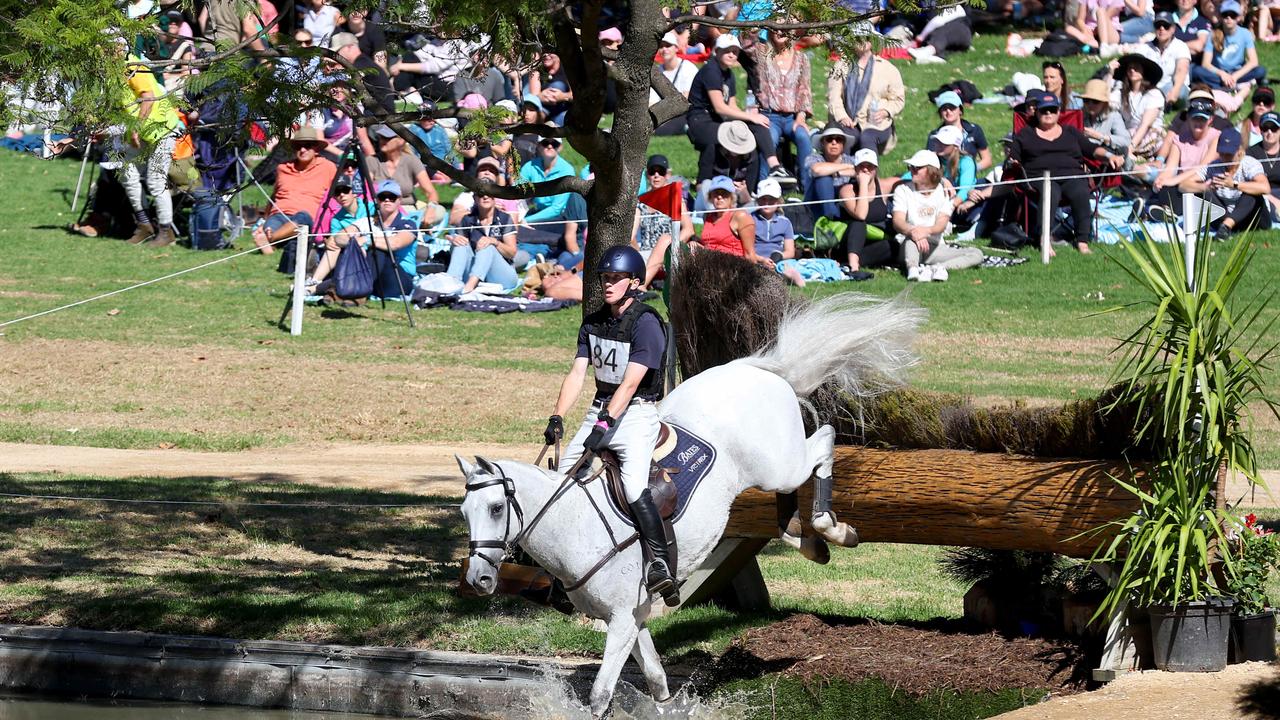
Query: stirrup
(664,584)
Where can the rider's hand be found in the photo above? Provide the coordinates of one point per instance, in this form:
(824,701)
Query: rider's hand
(555,429)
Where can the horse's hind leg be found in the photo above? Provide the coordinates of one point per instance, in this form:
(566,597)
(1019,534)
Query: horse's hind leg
(620,637)
(791,530)
(821,450)
(646,656)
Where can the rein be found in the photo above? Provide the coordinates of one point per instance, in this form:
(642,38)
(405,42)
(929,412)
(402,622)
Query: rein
(509,544)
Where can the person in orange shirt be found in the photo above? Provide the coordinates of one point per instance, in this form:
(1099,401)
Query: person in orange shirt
(301,186)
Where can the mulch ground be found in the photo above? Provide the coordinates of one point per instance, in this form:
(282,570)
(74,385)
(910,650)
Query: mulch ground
(918,661)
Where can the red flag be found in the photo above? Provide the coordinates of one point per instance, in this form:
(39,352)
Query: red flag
(665,199)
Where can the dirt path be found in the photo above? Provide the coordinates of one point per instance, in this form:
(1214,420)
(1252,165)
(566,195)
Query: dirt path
(1161,696)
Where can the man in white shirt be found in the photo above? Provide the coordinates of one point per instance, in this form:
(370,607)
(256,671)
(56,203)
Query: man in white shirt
(1172,55)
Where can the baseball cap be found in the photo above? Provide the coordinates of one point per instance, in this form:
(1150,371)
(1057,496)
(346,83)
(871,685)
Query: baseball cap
(491,163)
(1200,108)
(388,187)
(768,188)
(1269,118)
(343,182)
(949,135)
(531,99)
(658,161)
(1264,94)
(1043,99)
(383,131)
(727,40)
(1229,6)
(950,97)
(866,155)
(670,38)
(1165,17)
(1229,141)
(719,182)
(924,158)
(341,40)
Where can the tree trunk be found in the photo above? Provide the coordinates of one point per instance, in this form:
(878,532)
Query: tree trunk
(956,497)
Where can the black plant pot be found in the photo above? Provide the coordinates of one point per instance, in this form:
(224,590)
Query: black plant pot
(1253,637)
(1191,637)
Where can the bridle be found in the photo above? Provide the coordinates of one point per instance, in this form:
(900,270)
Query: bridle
(507,544)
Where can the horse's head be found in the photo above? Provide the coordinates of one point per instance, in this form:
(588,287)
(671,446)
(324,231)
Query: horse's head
(494,519)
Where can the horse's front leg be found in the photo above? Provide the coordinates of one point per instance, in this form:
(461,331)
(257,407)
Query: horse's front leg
(620,637)
(646,656)
(821,451)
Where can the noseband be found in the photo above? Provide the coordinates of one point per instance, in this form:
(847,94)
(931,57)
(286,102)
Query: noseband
(508,543)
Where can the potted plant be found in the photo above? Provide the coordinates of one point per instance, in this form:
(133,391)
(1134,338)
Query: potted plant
(1190,371)
(1256,551)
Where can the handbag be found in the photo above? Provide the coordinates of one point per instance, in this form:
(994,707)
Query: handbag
(352,273)
(1009,236)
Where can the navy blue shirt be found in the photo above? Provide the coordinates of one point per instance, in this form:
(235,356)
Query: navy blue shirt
(648,346)
(710,77)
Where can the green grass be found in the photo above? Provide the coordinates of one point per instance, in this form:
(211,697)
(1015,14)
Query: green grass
(774,696)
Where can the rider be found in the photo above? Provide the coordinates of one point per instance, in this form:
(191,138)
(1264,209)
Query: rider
(625,343)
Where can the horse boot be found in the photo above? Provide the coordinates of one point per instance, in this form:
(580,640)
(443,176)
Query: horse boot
(824,519)
(658,577)
(791,530)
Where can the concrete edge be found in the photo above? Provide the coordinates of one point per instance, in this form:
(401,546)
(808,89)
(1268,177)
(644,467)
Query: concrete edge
(270,674)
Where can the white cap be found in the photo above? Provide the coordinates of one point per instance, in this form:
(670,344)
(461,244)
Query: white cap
(769,188)
(508,105)
(671,38)
(866,155)
(949,135)
(924,158)
(726,40)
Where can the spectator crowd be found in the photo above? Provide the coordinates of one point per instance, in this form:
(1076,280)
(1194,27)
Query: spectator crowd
(1181,105)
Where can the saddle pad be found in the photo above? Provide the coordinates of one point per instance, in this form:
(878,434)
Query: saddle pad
(687,462)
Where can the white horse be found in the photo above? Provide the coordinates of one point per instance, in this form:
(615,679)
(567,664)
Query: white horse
(750,411)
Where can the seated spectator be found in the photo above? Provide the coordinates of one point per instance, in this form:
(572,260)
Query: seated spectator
(784,95)
(1140,104)
(1187,150)
(1173,56)
(546,214)
(1192,28)
(551,85)
(483,246)
(865,96)
(725,228)
(1230,61)
(490,85)
(1054,78)
(1263,102)
(921,211)
(951,112)
(1102,126)
(347,46)
(301,185)
(1236,182)
(390,238)
(960,171)
(775,235)
(531,112)
(431,68)
(736,159)
(487,169)
(680,72)
(865,203)
(349,209)
(320,19)
(434,136)
(651,232)
(407,170)
(1269,20)
(711,105)
(1136,18)
(1059,150)
(946,32)
(1096,25)
(829,168)
(373,42)
(1267,153)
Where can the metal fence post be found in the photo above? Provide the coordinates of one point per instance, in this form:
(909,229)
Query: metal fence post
(1046,219)
(299,279)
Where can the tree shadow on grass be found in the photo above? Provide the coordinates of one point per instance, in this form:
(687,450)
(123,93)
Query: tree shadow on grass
(1261,700)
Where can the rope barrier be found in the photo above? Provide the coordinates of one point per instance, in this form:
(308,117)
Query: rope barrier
(313,506)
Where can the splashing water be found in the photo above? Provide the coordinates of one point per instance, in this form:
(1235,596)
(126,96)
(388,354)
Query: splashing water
(560,702)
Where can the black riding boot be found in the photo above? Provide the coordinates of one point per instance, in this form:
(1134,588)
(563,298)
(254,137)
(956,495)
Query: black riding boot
(658,577)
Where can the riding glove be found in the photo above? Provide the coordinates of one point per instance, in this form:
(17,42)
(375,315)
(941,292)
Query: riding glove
(595,441)
(554,431)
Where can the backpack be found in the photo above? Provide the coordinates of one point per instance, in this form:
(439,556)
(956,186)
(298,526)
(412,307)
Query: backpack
(967,91)
(206,226)
(353,273)
(1058,44)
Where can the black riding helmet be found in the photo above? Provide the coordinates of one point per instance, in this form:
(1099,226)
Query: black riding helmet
(622,259)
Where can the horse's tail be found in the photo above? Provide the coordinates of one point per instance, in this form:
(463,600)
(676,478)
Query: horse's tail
(860,344)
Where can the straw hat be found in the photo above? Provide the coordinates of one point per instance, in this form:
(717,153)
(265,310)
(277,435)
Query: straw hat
(1096,89)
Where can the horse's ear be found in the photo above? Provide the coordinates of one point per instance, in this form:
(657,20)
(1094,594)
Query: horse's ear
(486,466)
(466,467)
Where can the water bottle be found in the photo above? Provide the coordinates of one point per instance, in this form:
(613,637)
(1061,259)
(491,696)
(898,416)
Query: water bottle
(751,100)
(872,109)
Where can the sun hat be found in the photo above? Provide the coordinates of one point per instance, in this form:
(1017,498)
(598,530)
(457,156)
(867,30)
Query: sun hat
(341,40)
(950,97)
(388,187)
(924,158)
(768,188)
(612,33)
(1151,70)
(1229,141)
(671,39)
(833,130)
(866,155)
(736,137)
(531,99)
(306,134)
(949,135)
(726,41)
(719,182)
(1201,95)
(1096,89)
(1269,118)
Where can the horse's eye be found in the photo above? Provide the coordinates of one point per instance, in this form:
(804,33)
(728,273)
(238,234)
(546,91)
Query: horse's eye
(495,510)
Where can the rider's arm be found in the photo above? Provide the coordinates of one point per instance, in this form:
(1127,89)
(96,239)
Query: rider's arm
(626,389)
(571,388)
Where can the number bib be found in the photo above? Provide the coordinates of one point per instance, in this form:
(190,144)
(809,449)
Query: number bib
(609,358)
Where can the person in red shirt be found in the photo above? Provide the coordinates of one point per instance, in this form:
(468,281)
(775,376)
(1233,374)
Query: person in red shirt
(301,186)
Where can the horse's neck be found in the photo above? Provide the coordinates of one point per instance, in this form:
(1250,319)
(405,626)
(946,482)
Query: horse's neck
(568,536)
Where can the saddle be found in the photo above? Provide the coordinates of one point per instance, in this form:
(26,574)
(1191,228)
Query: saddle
(663,490)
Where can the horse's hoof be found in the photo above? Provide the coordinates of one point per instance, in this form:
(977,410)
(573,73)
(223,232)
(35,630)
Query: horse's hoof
(837,532)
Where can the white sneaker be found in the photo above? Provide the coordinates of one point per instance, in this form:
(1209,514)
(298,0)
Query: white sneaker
(913,274)
(920,273)
(940,274)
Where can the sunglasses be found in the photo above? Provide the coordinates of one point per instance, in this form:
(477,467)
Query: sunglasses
(549,144)
(833,139)
(1047,111)
(948,108)
(388,197)
(1163,26)
(655,170)
(1053,64)
(1264,101)
(481,196)
(1230,15)
(343,191)
(1270,128)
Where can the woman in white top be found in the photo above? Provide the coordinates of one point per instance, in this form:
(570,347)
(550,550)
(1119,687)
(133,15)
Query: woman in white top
(921,212)
(1141,106)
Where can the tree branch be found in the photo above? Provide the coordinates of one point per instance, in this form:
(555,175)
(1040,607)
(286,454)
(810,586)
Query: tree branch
(205,62)
(671,103)
(784,26)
